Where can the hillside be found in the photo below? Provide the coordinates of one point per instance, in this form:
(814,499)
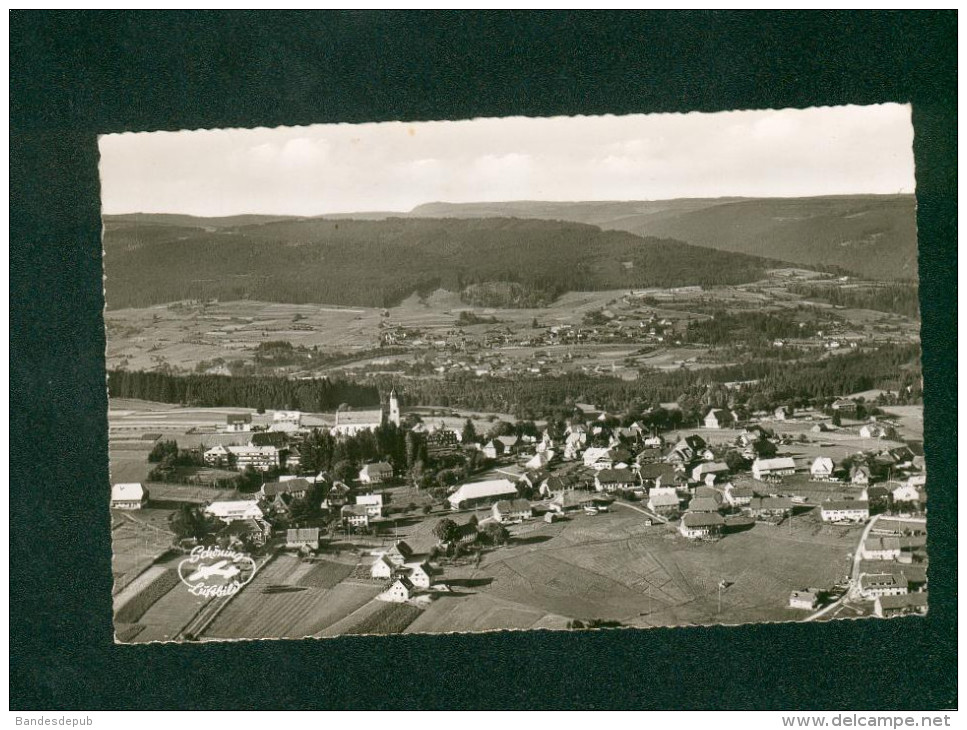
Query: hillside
(871,235)
(379,263)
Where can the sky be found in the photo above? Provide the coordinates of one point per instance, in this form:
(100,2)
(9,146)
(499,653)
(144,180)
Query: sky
(395,166)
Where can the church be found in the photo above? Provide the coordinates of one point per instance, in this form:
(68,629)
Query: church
(350,422)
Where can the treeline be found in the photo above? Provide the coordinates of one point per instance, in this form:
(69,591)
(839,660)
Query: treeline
(894,367)
(725,328)
(894,297)
(380,263)
(212,391)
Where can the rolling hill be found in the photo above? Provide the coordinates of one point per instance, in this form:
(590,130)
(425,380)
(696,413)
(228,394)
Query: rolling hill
(380,262)
(871,235)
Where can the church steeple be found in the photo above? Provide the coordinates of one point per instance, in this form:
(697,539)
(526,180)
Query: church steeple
(394,407)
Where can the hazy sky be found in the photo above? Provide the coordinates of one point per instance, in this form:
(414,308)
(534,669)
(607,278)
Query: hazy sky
(333,168)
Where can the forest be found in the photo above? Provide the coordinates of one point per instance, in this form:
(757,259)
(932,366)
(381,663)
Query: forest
(895,297)
(894,367)
(380,263)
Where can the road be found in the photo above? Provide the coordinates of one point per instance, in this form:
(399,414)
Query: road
(652,515)
(857,558)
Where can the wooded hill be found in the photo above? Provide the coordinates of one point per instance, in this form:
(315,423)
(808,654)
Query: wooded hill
(156,259)
(874,236)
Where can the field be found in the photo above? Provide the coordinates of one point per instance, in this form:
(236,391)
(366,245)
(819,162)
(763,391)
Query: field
(137,539)
(296,611)
(612,567)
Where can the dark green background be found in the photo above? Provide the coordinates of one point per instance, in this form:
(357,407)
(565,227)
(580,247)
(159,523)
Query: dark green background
(76,75)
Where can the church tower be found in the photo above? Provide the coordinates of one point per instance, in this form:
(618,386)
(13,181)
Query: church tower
(394,407)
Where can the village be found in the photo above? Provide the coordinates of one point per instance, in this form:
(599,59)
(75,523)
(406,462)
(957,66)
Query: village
(369,548)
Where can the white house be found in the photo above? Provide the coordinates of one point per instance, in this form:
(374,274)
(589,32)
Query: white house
(475,494)
(260,458)
(822,469)
(512,510)
(714,468)
(293,418)
(131,495)
(598,458)
(845,511)
(906,493)
(696,525)
(881,548)
(238,422)
(419,574)
(400,592)
(372,502)
(301,537)
(663,503)
(783,466)
(805,599)
(355,515)
(383,568)
(719,418)
(612,480)
(240,509)
(874,585)
(907,603)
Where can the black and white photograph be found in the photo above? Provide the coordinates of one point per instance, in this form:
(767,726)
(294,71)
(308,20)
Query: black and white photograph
(515,373)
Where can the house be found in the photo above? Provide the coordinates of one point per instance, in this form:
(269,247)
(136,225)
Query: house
(880,548)
(873,585)
(648,455)
(844,406)
(534,479)
(400,553)
(906,494)
(703,504)
(771,468)
(902,605)
(420,574)
(783,412)
(770,507)
(695,525)
(512,510)
(598,458)
(467,532)
(338,495)
(715,469)
(493,449)
(845,511)
(821,428)
(296,488)
(822,469)
(231,510)
(860,475)
(400,592)
(510,443)
(657,475)
(719,418)
(303,537)
(269,438)
(383,568)
(442,442)
(739,496)
(287,418)
(559,483)
(253,531)
(373,504)
(570,501)
(685,450)
(355,515)
(130,495)
(663,503)
(260,458)
(807,599)
(376,473)
(487,492)
(238,422)
(291,458)
(614,480)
